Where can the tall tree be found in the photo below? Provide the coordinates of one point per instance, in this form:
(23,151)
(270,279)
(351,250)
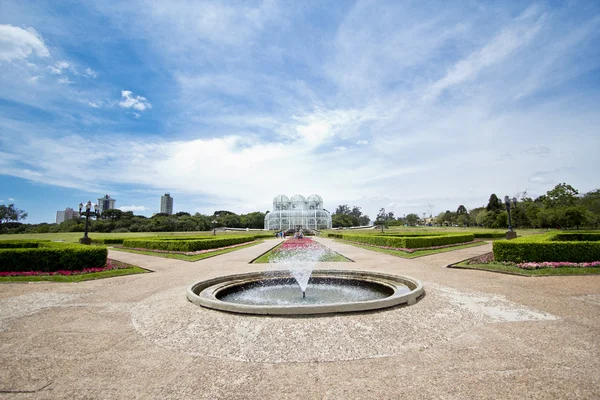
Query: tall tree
(562,195)
(10,214)
(494,203)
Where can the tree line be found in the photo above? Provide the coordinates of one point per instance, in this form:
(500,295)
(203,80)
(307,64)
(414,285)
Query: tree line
(561,207)
(125,221)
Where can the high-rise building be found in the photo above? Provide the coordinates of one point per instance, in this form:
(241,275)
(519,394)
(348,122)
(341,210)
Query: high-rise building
(60,217)
(67,214)
(106,203)
(166,204)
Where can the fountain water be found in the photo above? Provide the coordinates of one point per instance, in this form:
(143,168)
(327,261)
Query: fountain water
(299,256)
(329,291)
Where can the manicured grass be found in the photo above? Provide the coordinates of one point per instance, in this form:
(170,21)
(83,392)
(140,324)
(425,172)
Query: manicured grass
(76,278)
(329,257)
(418,253)
(184,257)
(510,269)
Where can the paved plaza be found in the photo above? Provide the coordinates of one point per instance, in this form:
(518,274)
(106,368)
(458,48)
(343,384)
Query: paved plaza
(473,334)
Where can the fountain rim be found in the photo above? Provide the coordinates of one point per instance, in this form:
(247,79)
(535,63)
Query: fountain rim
(204,293)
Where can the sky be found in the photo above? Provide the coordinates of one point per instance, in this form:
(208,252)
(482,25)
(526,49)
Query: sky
(412,106)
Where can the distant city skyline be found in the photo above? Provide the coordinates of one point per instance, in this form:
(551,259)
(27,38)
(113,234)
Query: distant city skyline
(409,106)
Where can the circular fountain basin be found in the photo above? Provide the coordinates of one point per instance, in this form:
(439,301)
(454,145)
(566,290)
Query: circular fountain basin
(328,291)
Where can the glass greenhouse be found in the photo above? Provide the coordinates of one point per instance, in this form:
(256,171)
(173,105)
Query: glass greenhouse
(298,212)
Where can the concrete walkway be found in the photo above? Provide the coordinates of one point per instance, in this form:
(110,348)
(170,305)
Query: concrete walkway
(473,335)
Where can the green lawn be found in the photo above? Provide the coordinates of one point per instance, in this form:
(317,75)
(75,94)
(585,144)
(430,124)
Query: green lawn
(76,278)
(418,253)
(509,269)
(184,257)
(329,257)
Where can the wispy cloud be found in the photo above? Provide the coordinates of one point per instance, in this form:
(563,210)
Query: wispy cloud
(138,103)
(394,104)
(18,43)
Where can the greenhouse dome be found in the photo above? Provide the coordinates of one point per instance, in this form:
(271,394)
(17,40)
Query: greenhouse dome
(298,212)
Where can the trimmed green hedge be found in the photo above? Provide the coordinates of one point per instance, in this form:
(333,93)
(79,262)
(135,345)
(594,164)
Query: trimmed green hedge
(576,236)
(21,244)
(53,257)
(406,242)
(489,235)
(547,247)
(186,245)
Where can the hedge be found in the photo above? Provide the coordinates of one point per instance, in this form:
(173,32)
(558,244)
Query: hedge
(547,247)
(21,244)
(186,245)
(53,257)
(489,235)
(406,242)
(585,236)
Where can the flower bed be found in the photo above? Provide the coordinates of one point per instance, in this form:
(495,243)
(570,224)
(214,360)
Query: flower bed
(110,265)
(488,258)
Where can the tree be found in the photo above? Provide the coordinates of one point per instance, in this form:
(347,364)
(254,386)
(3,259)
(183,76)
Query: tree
(575,216)
(562,195)
(494,204)
(11,213)
(382,219)
(461,210)
(412,219)
(113,214)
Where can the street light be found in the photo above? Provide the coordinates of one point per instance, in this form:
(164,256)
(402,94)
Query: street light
(214,224)
(510,234)
(88,207)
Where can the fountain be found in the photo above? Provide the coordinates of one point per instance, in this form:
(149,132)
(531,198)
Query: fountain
(297,289)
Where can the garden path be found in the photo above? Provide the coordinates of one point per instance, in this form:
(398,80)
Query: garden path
(473,335)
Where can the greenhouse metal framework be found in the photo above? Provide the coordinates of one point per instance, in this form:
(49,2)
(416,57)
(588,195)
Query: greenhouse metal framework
(298,212)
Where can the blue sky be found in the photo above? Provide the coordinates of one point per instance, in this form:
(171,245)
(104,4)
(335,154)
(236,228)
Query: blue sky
(412,106)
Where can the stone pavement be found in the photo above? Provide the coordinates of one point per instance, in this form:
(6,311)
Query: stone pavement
(473,335)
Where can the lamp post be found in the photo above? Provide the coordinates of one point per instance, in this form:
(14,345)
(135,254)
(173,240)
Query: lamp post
(88,212)
(510,234)
(214,224)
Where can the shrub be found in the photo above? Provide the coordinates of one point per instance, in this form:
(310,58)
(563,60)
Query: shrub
(489,235)
(53,257)
(540,248)
(21,244)
(186,245)
(407,242)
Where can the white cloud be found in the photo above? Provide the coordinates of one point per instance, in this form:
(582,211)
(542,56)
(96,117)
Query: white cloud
(134,208)
(511,38)
(95,104)
(18,43)
(59,67)
(362,142)
(64,80)
(139,103)
(11,199)
(33,80)
(90,72)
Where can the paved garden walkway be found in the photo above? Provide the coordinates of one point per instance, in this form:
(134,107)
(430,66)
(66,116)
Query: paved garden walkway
(473,335)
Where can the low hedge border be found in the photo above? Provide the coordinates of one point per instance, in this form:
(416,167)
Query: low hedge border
(53,257)
(549,247)
(406,242)
(21,244)
(186,245)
